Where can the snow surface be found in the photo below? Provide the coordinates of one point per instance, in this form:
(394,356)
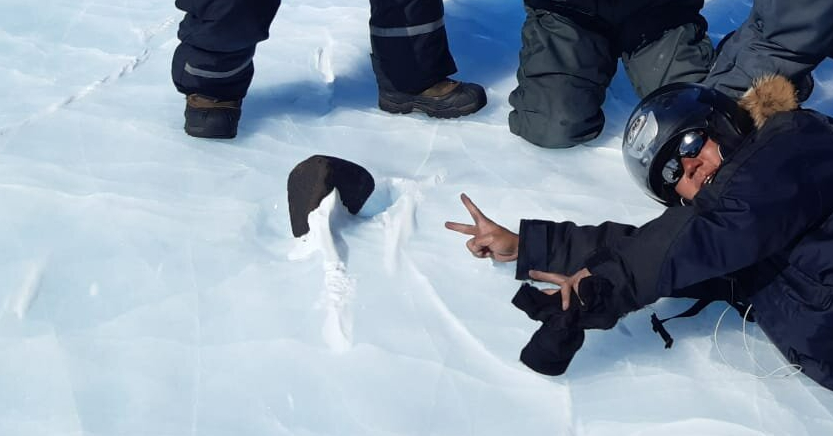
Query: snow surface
(150,285)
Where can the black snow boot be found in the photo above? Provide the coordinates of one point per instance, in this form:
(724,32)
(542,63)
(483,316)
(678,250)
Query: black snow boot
(447,99)
(313,179)
(206,117)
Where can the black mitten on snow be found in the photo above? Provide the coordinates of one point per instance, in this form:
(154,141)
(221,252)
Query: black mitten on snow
(537,305)
(552,347)
(555,343)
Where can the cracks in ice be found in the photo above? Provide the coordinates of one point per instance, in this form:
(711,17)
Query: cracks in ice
(146,36)
(148,33)
(431,145)
(198,342)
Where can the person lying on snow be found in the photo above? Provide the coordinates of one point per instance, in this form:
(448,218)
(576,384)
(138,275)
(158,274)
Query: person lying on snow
(749,190)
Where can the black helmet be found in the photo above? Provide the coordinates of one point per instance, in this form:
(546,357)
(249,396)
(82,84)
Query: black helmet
(657,126)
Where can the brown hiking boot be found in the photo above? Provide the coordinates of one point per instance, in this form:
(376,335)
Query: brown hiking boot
(446,99)
(207,117)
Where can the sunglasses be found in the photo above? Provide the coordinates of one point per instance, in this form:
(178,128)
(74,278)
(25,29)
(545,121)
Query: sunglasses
(690,145)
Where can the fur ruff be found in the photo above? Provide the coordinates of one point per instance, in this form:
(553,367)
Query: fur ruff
(769,95)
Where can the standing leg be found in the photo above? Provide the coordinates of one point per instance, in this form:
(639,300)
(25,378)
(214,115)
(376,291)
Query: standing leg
(213,63)
(412,61)
(565,69)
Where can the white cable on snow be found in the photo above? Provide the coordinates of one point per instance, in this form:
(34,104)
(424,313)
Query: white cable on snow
(796,368)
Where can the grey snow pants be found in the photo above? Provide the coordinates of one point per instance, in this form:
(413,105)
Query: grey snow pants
(568,59)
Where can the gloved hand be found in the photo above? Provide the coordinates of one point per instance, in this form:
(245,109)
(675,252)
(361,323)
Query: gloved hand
(553,345)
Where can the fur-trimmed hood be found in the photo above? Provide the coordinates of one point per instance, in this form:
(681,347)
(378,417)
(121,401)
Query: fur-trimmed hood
(769,95)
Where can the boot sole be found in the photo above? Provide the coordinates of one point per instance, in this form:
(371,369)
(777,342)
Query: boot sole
(411,106)
(218,123)
(206,133)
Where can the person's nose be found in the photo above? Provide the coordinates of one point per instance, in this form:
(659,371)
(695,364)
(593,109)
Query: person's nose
(690,164)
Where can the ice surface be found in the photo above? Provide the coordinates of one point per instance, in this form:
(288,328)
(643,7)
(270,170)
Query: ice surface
(151,284)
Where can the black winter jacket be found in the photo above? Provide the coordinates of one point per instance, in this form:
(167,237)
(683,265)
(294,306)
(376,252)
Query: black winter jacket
(765,222)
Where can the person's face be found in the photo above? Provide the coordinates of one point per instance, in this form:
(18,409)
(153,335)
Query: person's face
(698,170)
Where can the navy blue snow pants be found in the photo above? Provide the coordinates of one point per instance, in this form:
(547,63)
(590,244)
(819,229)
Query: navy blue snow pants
(218,38)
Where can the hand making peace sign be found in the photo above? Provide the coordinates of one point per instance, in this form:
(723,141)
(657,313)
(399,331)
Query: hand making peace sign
(492,240)
(488,238)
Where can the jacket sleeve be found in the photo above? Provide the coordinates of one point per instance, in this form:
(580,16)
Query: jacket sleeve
(763,205)
(562,247)
(787,37)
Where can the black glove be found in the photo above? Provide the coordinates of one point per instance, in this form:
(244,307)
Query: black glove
(597,310)
(552,347)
